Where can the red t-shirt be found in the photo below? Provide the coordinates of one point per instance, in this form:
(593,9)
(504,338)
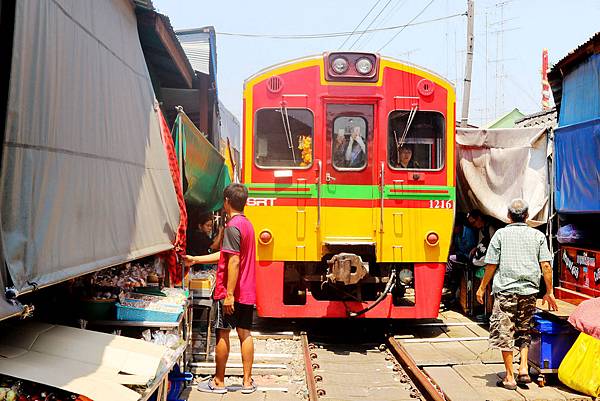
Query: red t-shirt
(238,239)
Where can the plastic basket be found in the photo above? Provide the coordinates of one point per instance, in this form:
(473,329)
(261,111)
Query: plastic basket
(177,381)
(140,314)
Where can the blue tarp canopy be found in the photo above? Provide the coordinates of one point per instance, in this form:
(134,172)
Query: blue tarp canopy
(581,93)
(577,161)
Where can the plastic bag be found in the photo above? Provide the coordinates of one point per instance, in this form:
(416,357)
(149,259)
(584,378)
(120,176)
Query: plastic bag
(569,234)
(580,368)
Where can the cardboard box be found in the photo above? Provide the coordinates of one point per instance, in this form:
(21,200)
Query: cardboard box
(84,362)
(200,283)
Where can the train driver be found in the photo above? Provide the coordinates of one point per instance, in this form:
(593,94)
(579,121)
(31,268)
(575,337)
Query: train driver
(405,160)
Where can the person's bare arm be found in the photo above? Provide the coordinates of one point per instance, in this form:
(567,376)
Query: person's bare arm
(233,270)
(208,259)
(549,296)
(490,269)
(349,148)
(361,143)
(216,244)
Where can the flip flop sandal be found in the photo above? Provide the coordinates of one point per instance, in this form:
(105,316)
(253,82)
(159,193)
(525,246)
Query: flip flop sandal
(209,387)
(249,389)
(523,379)
(508,386)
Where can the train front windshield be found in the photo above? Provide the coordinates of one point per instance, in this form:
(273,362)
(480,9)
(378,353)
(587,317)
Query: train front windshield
(420,134)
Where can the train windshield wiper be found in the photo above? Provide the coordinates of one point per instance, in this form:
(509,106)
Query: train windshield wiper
(411,117)
(287,130)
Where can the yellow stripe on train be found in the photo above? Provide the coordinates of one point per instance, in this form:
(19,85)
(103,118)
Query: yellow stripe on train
(298,237)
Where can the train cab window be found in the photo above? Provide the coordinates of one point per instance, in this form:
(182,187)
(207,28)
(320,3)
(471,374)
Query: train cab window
(283,138)
(416,140)
(349,143)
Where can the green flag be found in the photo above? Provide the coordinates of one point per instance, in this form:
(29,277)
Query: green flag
(205,174)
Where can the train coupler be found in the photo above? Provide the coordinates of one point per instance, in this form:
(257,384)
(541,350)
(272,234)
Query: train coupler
(346,268)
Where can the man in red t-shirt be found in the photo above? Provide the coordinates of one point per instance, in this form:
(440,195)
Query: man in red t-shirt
(235,289)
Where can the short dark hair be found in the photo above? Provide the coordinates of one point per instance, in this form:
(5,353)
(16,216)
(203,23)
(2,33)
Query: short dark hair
(475,213)
(237,194)
(407,146)
(204,218)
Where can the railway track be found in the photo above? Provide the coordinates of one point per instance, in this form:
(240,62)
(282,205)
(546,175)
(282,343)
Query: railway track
(278,369)
(349,372)
(289,367)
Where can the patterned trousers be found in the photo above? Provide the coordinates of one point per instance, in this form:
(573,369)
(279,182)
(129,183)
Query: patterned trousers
(511,321)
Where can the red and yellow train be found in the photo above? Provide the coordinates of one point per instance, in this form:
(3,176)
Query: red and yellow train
(349,162)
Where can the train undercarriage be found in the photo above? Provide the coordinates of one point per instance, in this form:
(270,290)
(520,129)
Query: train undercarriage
(348,276)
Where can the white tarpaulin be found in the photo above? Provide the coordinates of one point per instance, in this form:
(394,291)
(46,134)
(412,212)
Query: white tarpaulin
(85,181)
(498,165)
(93,364)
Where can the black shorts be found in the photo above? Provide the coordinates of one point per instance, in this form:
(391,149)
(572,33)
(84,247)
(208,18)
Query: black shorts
(241,318)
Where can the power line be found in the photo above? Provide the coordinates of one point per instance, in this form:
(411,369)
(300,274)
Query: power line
(393,11)
(384,20)
(409,22)
(360,23)
(374,19)
(335,34)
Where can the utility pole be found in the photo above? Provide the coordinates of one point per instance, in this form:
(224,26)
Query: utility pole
(468,64)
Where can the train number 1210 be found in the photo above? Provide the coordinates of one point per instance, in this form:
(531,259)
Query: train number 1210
(441,204)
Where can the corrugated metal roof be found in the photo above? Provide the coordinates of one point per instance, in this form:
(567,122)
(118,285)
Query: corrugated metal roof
(196,46)
(230,126)
(546,118)
(567,63)
(580,53)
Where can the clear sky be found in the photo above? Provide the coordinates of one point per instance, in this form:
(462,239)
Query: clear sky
(509,38)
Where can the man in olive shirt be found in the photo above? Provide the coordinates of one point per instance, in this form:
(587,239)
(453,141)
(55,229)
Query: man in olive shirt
(514,258)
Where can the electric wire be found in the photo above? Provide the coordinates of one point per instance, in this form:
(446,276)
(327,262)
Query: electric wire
(359,24)
(336,34)
(393,11)
(409,22)
(384,20)
(371,23)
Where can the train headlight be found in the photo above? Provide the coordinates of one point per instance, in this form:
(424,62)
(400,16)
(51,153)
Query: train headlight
(364,66)
(432,238)
(339,65)
(265,237)
(406,276)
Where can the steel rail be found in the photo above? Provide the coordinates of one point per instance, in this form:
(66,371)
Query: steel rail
(416,375)
(308,369)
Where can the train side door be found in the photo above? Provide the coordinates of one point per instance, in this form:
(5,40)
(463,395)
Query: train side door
(348,173)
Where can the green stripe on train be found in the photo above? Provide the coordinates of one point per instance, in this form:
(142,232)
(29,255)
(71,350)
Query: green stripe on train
(360,192)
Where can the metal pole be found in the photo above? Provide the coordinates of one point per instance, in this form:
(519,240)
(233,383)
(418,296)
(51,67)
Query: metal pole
(180,149)
(180,157)
(468,64)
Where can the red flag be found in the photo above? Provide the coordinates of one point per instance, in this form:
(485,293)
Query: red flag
(180,240)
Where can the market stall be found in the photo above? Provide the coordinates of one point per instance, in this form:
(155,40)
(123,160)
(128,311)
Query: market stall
(86,185)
